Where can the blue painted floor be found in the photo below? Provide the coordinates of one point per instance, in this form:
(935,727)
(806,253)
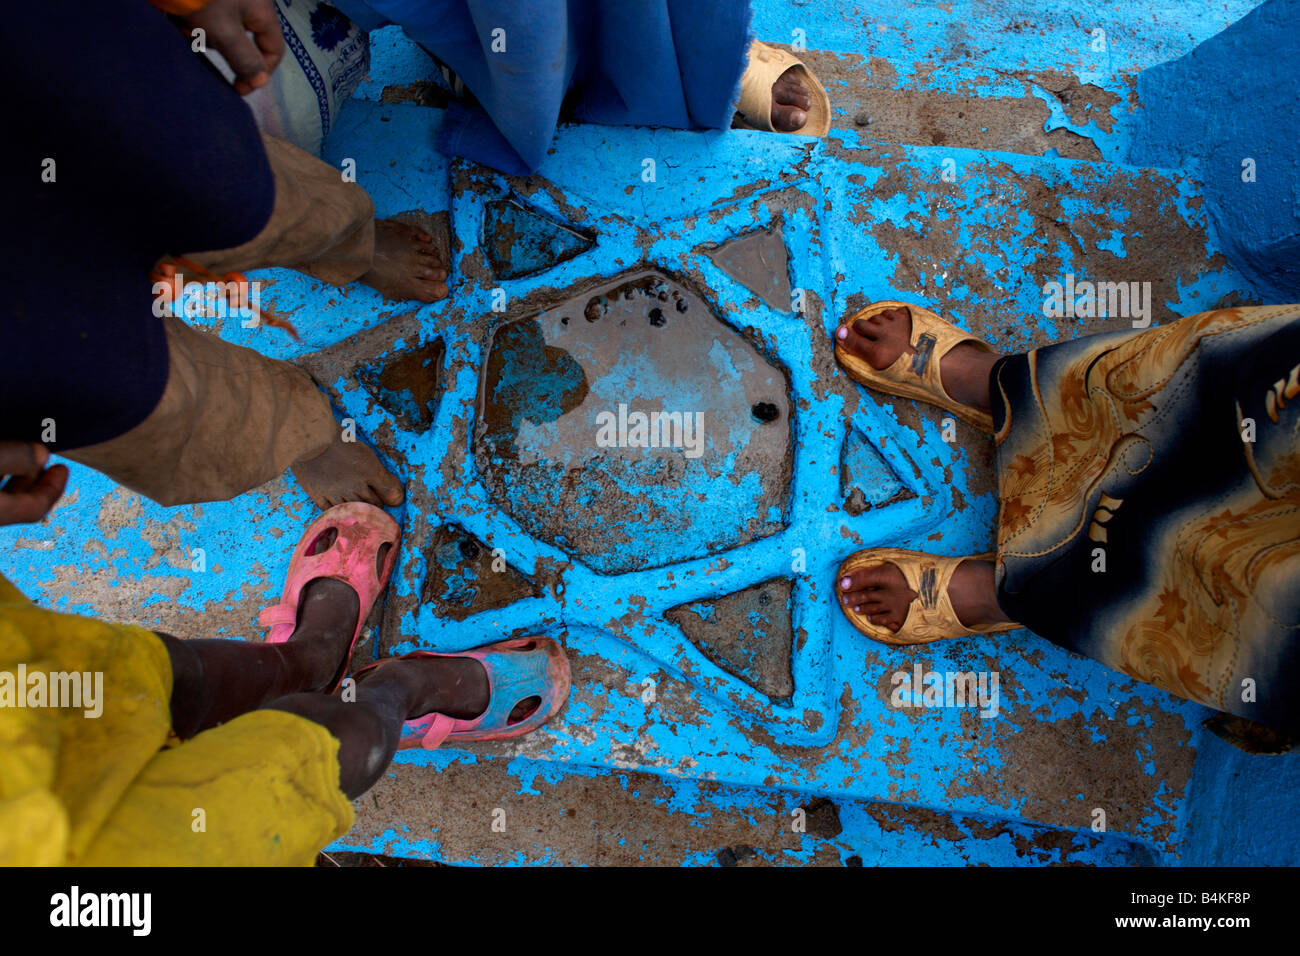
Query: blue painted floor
(671,751)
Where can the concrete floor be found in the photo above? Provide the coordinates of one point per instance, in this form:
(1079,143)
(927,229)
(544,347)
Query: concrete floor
(723,711)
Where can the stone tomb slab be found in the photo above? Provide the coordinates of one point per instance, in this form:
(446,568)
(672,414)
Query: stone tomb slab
(632,428)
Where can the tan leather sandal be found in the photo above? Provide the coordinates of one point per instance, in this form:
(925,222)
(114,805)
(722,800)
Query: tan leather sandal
(916,375)
(930,617)
(766,64)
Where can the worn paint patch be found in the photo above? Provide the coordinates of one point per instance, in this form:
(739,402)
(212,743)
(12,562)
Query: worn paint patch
(759,262)
(748,633)
(408,384)
(465,577)
(521,241)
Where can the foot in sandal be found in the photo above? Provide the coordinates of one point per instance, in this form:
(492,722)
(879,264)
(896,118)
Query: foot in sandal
(337,571)
(906,597)
(878,346)
(791,100)
(495,692)
(780,94)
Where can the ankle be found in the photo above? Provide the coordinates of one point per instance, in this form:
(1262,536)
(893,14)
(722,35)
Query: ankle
(308,663)
(974,595)
(965,375)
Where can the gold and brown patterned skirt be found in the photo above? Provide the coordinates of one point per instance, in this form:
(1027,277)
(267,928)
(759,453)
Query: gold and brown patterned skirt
(1149,504)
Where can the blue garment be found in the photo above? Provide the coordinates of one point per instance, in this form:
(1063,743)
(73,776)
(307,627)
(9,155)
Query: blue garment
(1228,112)
(667,63)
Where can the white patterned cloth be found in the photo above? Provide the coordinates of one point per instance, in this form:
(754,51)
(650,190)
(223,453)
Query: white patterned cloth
(326,55)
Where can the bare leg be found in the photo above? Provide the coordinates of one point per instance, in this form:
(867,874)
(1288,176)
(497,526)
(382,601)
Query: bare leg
(214,681)
(368,730)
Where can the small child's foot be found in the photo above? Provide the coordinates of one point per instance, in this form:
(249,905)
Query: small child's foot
(790,102)
(882,594)
(406,264)
(880,339)
(347,471)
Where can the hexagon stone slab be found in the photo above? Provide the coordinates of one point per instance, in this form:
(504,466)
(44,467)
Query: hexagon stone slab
(630,427)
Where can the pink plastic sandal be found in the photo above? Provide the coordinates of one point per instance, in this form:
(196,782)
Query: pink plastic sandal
(518,670)
(355,543)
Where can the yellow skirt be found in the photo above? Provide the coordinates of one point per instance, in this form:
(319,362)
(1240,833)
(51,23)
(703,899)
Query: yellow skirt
(87,776)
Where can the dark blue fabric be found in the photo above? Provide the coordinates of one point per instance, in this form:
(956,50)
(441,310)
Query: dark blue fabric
(155,154)
(668,63)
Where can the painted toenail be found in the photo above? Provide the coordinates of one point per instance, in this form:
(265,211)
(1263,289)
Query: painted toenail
(845,584)
(842,332)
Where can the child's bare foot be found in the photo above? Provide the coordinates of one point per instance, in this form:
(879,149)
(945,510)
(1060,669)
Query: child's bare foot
(347,471)
(882,593)
(790,102)
(882,338)
(406,264)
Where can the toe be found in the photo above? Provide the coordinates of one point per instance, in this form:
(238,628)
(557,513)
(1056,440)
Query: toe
(366,494)
(855,341)
(427,290)
(388,491)
(867,328)
(789,89)
(865,602)
(788,119)
(866,579)
(786,94)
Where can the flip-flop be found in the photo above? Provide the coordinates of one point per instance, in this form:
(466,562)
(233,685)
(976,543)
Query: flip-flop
(517,670)
(930,617)
(916,376)
(355,543)
(766,64)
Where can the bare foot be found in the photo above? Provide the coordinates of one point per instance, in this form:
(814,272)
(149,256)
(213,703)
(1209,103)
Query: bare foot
(790,102)
(406,265)
(347,471)
(882,338)
(883,595)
